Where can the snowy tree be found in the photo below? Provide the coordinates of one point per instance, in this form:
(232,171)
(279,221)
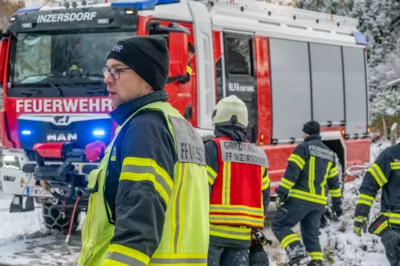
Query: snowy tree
(336,7)
(8,7)
(385,99)
(387,70)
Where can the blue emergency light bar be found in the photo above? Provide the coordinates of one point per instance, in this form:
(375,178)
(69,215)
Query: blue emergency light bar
(138,4)
(143,4)
(29,9)
(360,38)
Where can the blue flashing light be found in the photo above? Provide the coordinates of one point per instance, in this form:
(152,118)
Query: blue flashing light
(29,9)
(142,4)
(360,38)
(139,4)
(163,2)
(99,133)
(26,132)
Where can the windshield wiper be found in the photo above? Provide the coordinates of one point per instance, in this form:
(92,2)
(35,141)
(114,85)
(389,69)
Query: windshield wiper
(54,86)
(94,91)
(33,92)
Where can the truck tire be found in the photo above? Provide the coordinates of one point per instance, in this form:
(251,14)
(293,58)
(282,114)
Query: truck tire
(55,220)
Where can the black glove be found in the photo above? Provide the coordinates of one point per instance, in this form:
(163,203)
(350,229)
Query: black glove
(280,199)
(337,206)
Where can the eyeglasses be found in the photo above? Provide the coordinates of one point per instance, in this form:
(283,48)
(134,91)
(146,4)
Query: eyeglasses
(115,72)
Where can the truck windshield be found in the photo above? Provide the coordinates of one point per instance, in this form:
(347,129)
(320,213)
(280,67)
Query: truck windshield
(59,60)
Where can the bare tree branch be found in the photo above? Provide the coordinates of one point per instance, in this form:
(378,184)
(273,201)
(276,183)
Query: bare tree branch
(8,7)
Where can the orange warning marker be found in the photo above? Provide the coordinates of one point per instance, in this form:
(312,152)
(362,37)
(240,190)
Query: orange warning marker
(22,181)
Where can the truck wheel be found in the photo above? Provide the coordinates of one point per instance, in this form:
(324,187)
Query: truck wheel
(54,219)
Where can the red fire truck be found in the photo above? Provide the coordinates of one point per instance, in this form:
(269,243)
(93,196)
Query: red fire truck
(288,65)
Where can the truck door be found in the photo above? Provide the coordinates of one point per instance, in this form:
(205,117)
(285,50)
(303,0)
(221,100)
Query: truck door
(204,67)
(239,73)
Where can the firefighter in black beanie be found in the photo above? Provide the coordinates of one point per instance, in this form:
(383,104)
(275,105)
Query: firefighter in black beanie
(302,197)
(139,212)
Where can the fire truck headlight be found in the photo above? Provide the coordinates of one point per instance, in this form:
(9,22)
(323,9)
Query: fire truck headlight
(26,132)
(99,133)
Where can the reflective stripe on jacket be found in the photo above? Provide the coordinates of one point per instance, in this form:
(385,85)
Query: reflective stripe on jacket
(185,235)
(311,173)
(383,174)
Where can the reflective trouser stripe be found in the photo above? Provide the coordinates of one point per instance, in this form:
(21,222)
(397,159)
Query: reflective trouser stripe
(316,255)
(335,193)
(286,241)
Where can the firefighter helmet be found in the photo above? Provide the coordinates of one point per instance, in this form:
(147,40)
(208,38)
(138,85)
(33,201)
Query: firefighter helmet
(231,111)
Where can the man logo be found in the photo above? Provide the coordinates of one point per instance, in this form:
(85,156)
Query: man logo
(62,137)
(117,48)
(61,120)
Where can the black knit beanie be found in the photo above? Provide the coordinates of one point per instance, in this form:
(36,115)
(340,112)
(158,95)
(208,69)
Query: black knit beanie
(311,128)
(147,55)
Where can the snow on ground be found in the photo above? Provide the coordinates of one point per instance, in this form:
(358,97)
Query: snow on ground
(340,245)
(25,241)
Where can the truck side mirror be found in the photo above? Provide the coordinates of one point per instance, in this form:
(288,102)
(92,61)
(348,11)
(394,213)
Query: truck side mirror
(178,53)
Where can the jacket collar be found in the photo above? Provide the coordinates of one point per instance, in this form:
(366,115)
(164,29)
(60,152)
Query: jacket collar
(312,137)
(122,112)
(235,133)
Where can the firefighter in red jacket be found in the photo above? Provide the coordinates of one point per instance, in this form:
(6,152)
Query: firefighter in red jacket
(239,185)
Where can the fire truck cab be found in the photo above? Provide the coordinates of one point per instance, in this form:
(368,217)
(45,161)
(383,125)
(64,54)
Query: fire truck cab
(288,65)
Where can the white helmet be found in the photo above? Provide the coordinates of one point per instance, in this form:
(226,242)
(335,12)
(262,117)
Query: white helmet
(231,111)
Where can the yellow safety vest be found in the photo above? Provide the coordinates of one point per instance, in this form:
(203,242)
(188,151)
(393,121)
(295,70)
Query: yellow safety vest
(185,236)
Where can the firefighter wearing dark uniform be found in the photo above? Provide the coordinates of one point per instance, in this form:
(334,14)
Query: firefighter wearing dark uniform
(302,196)
(150,196)
(239,185)
(383,174)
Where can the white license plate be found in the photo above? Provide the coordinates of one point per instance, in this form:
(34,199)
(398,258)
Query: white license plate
(38,192)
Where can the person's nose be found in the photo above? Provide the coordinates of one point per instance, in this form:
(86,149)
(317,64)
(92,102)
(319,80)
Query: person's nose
(108,79)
